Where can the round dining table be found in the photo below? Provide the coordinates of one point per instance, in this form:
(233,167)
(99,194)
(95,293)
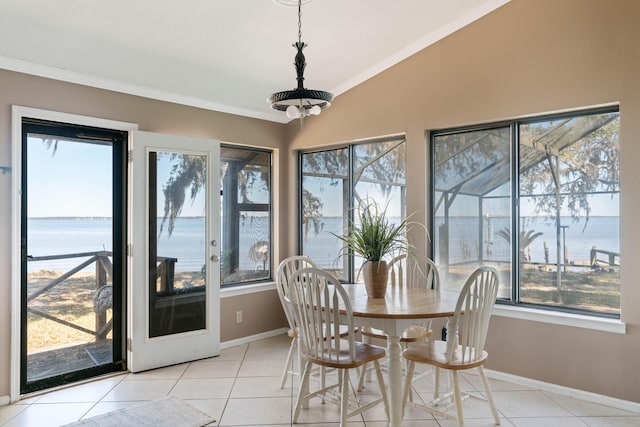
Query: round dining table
(400,308)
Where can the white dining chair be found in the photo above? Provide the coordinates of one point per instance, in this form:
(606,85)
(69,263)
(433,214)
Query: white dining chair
(463,350)
(285,270)
(403,273)
(321,307)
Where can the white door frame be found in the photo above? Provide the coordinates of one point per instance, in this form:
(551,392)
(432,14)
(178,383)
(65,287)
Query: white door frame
(144,352)
(18,113)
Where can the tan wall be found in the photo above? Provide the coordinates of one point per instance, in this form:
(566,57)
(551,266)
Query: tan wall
(262,312)
(528,57)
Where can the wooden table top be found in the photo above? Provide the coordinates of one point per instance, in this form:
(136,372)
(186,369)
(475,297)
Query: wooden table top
(402,303)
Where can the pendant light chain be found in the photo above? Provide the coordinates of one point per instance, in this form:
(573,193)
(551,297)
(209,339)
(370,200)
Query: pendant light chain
(300,21)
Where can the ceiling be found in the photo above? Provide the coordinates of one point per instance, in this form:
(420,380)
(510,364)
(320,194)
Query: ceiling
(222,55)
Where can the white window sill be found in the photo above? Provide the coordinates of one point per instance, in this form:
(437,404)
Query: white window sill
(615,326)
(246,289)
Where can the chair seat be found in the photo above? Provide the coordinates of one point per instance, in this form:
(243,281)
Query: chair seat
(342,360)
(413,333)
(433,353)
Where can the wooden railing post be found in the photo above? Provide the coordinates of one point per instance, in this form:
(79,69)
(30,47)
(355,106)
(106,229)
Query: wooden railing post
(101,280)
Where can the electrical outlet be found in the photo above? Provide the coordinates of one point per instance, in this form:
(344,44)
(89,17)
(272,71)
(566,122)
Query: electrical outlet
(239,316)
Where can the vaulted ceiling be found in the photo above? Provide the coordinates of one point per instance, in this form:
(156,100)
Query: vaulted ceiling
(223,55)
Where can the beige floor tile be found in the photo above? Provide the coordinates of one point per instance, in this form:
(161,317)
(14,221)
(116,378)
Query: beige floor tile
(49,415)
(203,388)
(212,369)
(528,404)
(104,407)
(479,422)
(231,353)
(583,408)
(548,422)
(245,387)
(213,407)
(169,373)
(611,421)
(267,353)
(89,392)
(261,368)
(9,411)
(140,390)
(263,411)
(241,387)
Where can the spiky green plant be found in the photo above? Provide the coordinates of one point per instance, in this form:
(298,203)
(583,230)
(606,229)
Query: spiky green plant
(373,236)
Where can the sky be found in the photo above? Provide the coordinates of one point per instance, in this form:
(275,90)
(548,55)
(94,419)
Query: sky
(75,181)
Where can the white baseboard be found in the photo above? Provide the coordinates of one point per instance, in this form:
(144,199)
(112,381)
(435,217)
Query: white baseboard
(261,336)
(4,400)
(565,391)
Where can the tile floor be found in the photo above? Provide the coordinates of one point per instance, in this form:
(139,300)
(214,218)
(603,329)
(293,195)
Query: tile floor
(242,388)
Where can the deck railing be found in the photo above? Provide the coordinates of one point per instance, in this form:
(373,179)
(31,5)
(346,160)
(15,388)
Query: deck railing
(103,280)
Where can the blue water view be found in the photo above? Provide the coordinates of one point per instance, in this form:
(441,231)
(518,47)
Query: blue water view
(601,232)
(54,236)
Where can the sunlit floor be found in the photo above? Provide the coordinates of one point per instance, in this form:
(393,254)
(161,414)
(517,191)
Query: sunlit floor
(242,388)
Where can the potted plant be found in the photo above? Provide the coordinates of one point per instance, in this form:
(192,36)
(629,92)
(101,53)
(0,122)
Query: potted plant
(375,238)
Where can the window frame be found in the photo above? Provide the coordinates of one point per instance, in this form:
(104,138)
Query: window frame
(271,212)
(349,257)
(554,313)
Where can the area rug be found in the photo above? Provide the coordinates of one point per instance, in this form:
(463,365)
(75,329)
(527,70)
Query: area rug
(166,412)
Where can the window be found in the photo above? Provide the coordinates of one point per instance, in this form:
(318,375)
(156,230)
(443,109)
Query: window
(246,215)
(549,186)
(333,182)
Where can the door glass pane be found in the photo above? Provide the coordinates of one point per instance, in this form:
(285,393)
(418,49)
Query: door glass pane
(69,233)
(177,242)
(325,194)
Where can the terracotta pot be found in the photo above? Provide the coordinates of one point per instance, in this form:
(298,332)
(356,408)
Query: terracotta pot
(375,278)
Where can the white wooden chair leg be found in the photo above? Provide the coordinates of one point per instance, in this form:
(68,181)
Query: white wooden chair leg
(383,389)
(287,365)
(407,384)
(323,380)
(436,382)
(299,361)
(457,395)
(487,389)
(344,396)
(302,400)
(363,372)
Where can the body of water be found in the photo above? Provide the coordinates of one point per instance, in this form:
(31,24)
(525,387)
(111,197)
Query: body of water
(465,242)
(54,236)
(602,232)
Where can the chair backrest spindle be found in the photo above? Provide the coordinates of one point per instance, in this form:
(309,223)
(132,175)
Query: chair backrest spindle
(317,298)
(470,322)
(405,272)
(287,267)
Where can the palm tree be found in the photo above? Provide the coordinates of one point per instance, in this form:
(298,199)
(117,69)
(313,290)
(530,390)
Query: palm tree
(526,238)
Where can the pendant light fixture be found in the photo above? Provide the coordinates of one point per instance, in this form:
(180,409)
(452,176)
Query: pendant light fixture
(300,102)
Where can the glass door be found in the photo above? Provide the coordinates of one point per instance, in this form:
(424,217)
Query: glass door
(72,234)
(174,304)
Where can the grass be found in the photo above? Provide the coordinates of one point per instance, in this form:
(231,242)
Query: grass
(71,300)
(597,291)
